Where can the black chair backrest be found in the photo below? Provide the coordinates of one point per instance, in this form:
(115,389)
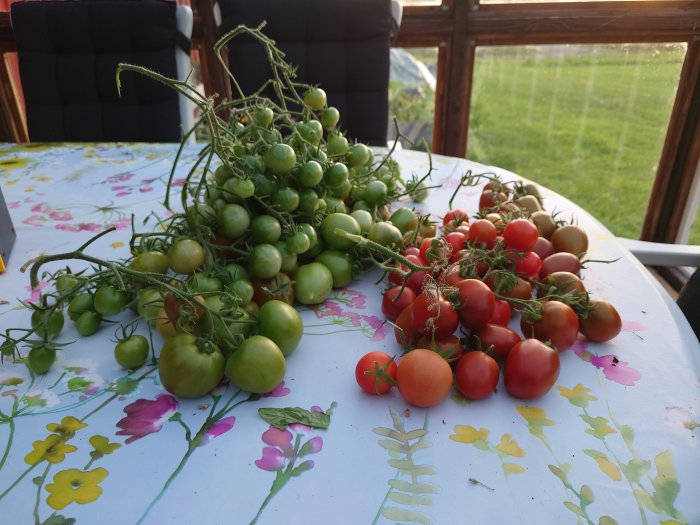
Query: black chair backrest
(689,301)
(68,55)
(341,45)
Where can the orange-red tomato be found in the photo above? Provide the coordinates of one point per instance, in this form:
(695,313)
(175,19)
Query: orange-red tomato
(424,378)
(476,375)
(602,322)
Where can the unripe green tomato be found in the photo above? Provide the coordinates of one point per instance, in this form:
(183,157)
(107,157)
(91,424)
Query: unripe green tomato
(298,243)
(339,221)
(242,289)
(280,159)
(131,352)
(386,234)
(375,193)
(88,323)
(257,366)
(285,199)
(149,303)
(233,220)
(201,214)
(40,359)
(315,98)
(48,323)
(363,218)
(358,155)
(336,175)
(313,283)
(264,185)
(66,282)
(265,228)
(282,324)
(264,261)
(310,174)
(244,188)
(337,145)
(80,303)
(361,205)
(263,117)
(405,219)
(340,265)
(201,282)
(235,271)
(150,262)
(330,117)
(334,205)
(289,258)
(109,300)
(222,174)
(308,201)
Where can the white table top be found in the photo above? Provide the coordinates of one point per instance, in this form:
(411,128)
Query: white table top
(616,439)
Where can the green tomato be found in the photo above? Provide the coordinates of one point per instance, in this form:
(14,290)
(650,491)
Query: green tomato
(235,271)
(363,218)
(242,289)
(66,282)
(48,323)
(285,199)
(335,205)
(336,175)
(330,117)
(109,300)
(264,185)
(308,201)
(310,174)
(386,234)
(202,282)
(257,366)
(201,214)
(150,262)
(298,243)
(265,228)
(375,192)
(313,283)
(289,258)
(311,131)
(264,261)
(190,366)
(222,174)
(337,145)
(280,159)
(88,323)
(243,188)
(185,256)
(80,303)
(149,303)
(282,324)
(131,352)
(405,219)
(340,265)
(41,357)
(339,221)
(315,98)
(418,191)
(263,117)
(233,221)
(358,155)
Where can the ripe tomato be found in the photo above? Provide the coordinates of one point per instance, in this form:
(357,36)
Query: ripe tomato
(476,375)
(404,332)
(528,265)
(501,313)
(454,218)
(424,378)
(496,340)
(476,303)
(558,325)
(433,249)
(415,281)
(560,262)
(483,233)
(278,287)
(543,248)
(602,322)
(395,300)
(190,366)
(375,372)
(520,234)
(560,283)
(490,198)
(522,289)
(457,240)
(531,369)
(433,314)
(450,347)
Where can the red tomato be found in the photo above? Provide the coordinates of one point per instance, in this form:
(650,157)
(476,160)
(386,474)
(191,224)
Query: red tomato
(561,262)
(476,303)
(558,325)
(451,275)
(490,198)
(433,314)
(375,372)
(483,233)
(560,283)
(501,313)
(457,240)
(528,265)
(395,300)
(404,332)
(455,218)
(496,340)
(520,234)
(440,252)
(543,248)
(521,290)
(415,281)
(450,347)
(424,378)
(531,369)
(476,375)
(602,322)
(411,250)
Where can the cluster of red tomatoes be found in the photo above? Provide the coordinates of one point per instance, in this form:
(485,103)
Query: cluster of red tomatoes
(454,299)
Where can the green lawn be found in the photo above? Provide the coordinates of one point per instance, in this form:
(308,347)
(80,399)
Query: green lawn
(590,127)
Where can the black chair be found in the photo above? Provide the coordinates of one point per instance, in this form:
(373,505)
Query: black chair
(340,45)
(68,54)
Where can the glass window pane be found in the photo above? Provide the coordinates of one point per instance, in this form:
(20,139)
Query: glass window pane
(587,121)
(420,2)
(412,93)
(544,1)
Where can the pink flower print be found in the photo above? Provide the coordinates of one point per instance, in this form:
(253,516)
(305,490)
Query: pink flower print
(122,224)
(146,189)
(380,328)
(144,417)
(280,449)
(61,215)
(13,205)
(279,391)
(80,227)
(122,194)
(616,370)
(327,309)
(36,292)
(357,299)
(633,326)
(41,207)
(35,220)
(220,427)
(177,183)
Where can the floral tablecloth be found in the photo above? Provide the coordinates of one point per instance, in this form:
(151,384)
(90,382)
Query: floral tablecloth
(616,440)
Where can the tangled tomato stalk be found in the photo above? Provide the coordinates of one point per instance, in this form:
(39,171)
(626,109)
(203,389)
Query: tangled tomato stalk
(513,257)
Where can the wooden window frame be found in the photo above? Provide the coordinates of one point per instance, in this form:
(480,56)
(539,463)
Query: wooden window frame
(457,27)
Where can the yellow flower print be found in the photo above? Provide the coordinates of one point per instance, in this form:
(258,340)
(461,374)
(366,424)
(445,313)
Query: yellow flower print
(67,428)
(102,445)
(117,244)
(9,164)
(536,419)
(75,486)
(578,396)
(468,434)
(510,447)
(599,426)
(53,449)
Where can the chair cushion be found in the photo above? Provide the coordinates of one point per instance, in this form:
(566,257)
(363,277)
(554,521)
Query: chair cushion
(341,45)
(68,54)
